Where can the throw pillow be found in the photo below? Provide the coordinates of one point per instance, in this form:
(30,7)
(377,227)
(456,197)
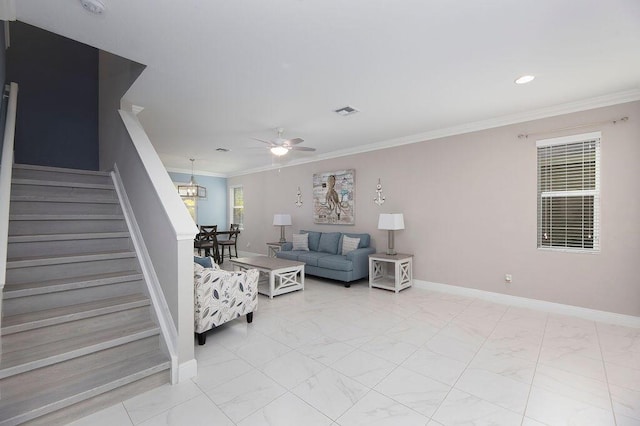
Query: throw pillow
(205,262)
(314,239)
(301,242)
(349,244)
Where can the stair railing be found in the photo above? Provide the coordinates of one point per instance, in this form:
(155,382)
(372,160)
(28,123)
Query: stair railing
(6,167)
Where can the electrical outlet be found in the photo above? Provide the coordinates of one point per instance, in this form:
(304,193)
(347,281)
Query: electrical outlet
(508,278)
(248,245)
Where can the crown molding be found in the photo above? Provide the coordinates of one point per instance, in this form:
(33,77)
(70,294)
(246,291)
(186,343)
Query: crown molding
(7,10)
(537,114)
(196,172)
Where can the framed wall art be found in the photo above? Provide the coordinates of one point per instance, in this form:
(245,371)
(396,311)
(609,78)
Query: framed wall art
(334,197)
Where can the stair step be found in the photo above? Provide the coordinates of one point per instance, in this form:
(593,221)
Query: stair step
(62,199)
(33,227)
(36,167)
(30,358)
(71,217)
(12,291)
(63,206)
(65,244)
(29,321)
(99,381)
(21,385)
(37,182)
(61,189)
(66,237)
(30,262)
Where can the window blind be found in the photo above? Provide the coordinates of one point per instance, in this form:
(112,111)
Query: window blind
(569,192)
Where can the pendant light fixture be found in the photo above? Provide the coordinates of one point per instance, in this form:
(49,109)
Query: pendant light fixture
(192,189)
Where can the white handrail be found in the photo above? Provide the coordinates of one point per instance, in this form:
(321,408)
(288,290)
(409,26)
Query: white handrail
(5,178)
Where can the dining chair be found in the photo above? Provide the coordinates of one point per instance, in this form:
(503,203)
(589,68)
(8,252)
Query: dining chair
(232,241)
(207,240)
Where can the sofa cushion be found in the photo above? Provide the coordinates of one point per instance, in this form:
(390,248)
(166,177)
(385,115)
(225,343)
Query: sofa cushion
(365,239)
(314,239)
(329,242)
(301,242)
(336,263)
(290,254)
(349,244)
(311,258)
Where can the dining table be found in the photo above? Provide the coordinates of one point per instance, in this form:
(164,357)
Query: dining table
(210,246)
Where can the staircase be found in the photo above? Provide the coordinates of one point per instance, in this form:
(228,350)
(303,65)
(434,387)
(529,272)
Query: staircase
(78,329)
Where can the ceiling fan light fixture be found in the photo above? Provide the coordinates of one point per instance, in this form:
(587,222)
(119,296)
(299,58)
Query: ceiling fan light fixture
(279,150)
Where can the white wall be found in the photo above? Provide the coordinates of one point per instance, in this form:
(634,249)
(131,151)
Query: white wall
(470,210)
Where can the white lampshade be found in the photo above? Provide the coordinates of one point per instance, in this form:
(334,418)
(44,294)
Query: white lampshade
(391,221)
(282,219)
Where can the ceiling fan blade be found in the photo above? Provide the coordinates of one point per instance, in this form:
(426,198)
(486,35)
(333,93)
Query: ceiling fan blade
(294,141)
(263,141)
(301,148)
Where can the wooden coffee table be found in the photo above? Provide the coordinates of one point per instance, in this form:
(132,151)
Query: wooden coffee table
(284,276)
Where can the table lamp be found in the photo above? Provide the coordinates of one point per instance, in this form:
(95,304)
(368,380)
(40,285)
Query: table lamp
(391,222)
(282,220)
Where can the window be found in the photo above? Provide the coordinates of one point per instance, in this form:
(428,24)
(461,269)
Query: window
(237,206)
(569,193)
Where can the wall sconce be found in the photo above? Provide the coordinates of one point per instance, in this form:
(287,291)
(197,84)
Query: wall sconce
(379,200)
(299,198)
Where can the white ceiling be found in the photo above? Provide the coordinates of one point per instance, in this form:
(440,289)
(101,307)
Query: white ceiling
(221,72)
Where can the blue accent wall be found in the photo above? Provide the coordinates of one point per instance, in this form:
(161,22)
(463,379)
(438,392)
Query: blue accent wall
(57,121)
(213,209)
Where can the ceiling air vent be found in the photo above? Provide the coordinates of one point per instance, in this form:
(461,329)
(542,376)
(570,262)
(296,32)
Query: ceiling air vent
(222,149)
(348,110)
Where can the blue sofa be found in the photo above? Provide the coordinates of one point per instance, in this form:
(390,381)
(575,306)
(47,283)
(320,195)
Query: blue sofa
(324,258)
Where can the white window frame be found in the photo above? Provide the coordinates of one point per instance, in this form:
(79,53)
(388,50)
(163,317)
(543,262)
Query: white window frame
(232,205)
(585,137)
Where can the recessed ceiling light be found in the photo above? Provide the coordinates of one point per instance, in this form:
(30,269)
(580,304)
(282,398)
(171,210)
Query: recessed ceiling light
(525,79)
(93,6)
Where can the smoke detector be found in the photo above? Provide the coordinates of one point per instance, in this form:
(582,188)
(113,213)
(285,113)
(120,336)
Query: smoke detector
(93,6)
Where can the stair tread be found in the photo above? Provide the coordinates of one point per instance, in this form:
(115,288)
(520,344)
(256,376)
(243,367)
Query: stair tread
(61,169)
(66,217)
(61,199)
(72,313)
(67,258)
(68,184)
(76,389)
(60,284)
(27,359)
(66,237)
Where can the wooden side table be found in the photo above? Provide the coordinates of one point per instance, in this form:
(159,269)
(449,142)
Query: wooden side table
(274,248)
(390,272)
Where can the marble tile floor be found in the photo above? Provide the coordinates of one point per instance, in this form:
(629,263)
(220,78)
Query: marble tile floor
(353,356)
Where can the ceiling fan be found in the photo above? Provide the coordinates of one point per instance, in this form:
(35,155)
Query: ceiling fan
(280,146)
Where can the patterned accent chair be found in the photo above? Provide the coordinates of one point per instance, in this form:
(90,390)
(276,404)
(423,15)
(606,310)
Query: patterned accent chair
(221,296)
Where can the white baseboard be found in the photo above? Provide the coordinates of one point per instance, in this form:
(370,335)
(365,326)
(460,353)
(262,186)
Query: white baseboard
(523,302)
(187,370)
